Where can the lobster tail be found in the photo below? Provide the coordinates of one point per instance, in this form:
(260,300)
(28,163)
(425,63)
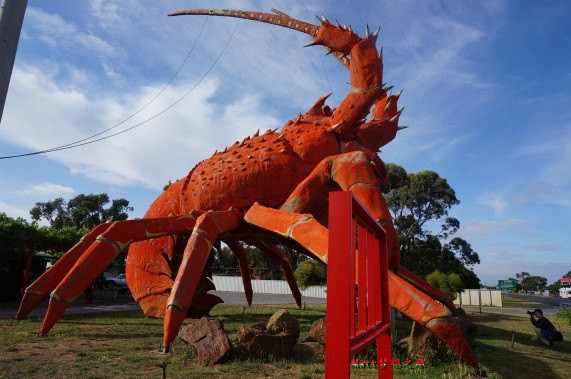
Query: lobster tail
(279,18)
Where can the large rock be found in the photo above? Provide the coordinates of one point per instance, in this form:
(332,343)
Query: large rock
(423,343)
(283,322)
(275,339)
(306,350)
(208,337)
(317,332)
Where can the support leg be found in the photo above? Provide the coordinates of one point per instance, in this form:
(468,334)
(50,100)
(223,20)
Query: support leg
(351,172)
(54,275)
(242,256)
(101,253)
(283,259)
(417,305)
(403,296)
(426,287)
(302,228)
(206,231)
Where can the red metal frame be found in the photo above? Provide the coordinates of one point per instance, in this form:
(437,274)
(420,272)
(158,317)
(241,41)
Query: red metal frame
(357,287)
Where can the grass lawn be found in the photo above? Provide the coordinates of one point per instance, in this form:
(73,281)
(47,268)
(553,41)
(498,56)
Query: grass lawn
(125,344)
(509,302)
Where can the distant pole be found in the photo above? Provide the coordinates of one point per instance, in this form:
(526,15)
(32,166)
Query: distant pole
(11,19)
(27,269)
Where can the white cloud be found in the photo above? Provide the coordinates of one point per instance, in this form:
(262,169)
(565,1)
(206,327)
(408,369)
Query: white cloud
(496,201)
(56,31)
(15,211)
(163,149)
(491,270)
(48,190)
(544,247)
(486,227)
(430,55)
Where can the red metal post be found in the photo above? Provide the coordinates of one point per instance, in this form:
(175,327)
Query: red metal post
(357,258)
(340,292)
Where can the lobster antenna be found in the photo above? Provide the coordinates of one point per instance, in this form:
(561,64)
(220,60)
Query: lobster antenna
(276,11)
(279,18)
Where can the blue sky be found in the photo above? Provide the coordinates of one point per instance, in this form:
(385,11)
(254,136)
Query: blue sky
(487,90)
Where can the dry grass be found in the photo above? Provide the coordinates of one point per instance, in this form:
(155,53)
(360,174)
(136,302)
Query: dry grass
(125,344)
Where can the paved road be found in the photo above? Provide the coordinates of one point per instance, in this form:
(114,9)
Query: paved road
(76,308)
(79,307)
(547,300)
(240,298)
(509,311)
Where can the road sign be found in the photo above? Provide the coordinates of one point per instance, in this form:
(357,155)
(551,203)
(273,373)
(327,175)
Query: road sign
(507,285)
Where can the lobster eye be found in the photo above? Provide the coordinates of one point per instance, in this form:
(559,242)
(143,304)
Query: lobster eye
(326,110)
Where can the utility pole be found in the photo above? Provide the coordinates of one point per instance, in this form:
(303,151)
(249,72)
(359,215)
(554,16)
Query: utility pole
(11,18)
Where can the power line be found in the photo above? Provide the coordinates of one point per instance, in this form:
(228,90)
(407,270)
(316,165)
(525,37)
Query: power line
(144,106)
(327,77)
(82,143)
(78,142)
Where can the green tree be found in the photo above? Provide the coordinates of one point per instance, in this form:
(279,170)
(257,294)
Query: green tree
(18,238)
(416,199)
(17,235)
(81,211)
(520,279)
(451,283)
(224,259)
(310,273)
(534,283)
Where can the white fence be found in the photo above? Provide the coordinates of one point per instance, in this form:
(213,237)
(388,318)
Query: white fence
(101,295)
(280,287)
(481,297)
(485,298)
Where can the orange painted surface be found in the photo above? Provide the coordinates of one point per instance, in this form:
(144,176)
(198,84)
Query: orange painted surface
(262,190)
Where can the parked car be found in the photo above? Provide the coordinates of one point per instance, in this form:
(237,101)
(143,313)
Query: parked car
(118,281)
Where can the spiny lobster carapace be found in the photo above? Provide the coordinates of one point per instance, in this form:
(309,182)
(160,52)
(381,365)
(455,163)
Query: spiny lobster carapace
(266,191)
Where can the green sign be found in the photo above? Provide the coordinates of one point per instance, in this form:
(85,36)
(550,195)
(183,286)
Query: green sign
(507,285)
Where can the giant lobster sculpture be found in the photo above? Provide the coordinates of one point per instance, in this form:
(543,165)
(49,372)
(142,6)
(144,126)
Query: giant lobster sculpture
(268,190)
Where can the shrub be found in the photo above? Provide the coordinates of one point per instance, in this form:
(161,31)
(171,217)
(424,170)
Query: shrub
(310,273)
(451,284)
(565,315)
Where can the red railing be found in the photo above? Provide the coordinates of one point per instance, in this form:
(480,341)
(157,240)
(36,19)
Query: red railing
(357,288)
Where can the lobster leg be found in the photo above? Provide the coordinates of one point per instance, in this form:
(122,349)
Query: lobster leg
(353,172)
(242,256)
(115,239)
(403,296)
(283,259)
(426,287)
(208,228)
(302,228)
(53,276)
(419,306)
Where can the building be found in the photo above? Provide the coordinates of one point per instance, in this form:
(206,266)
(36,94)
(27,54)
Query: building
(565,290)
